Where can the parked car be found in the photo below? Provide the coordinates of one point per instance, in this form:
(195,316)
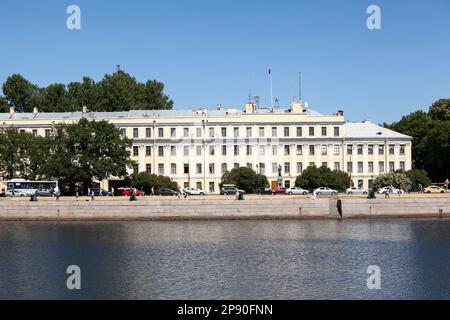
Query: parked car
(230,189)
(354,190)
(434,189)
(194,191)
(265,191)
(296,190)
(166,192)
(129,192)
(9,193)
(390,190)
(100,192)
(325,191)
(280,190)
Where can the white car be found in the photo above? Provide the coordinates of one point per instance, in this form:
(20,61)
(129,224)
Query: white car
(194,191)
(296,190)
(391,190)
(325,191)
(9,193)
(354,190)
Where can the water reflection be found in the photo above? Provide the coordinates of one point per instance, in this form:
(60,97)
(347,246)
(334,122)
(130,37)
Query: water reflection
(226,259)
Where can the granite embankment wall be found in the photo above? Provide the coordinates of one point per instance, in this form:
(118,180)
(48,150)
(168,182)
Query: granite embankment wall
(180,209)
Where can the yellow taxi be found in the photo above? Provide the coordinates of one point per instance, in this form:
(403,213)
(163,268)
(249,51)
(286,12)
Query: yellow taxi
(434,189)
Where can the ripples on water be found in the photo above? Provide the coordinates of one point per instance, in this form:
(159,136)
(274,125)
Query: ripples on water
(227,259)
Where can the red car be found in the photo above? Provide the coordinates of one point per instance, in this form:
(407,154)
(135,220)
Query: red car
(280,190)
(129,191)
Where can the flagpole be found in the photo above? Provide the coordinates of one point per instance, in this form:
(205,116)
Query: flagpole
(271,89)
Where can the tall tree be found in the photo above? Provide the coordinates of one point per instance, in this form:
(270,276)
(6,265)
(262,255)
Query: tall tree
(19,93)
(53,98)
(440,110)
(3,105)
(14,153)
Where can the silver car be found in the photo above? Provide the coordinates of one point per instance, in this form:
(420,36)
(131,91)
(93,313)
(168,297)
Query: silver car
(325,191)
(296,190)
(354,190)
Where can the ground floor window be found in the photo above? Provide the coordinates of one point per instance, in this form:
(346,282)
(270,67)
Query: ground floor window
(287,184)
(199,185)
(211,187)
(360,184)
(148,168)
(370,184)
(185,185)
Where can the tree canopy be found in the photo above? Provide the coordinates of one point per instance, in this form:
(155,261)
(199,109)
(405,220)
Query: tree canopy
(431,138)
(115,92)
(246,179)
(397,180)
(313,178)
(146,181)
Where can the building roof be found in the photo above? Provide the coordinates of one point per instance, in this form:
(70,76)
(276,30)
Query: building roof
(367,129)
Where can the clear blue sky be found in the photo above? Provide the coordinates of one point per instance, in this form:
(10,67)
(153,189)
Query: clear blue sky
(209,52)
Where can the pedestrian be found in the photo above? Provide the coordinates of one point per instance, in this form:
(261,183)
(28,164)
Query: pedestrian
(89,191)
(142,192)
(387,193)
(420,188)
(92,196)
(76,194)
(446,183)
(153,190)
(314,195)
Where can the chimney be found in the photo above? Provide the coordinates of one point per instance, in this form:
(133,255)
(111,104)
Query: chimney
(35,110)
(250,107)
(12,110)
(85,109)
(296,107)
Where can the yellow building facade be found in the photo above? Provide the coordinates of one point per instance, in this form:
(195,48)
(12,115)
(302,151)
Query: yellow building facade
(196,147)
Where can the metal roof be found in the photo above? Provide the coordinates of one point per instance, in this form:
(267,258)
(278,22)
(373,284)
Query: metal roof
(367,129)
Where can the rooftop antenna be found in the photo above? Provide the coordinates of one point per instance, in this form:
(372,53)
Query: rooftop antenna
(300,86)
(271,90)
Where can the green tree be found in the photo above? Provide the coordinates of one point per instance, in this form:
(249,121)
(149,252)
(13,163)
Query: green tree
(313,178)
(19,93)
(146,181)
(3,105)
(53,98)
(417,176)
(398,180)
(437,161)
(245,178)
(14,154)
(440,110)
(85,93)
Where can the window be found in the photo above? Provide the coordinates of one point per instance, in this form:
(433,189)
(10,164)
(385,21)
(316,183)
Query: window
(199,185)
(248,132)
(224,168)
(148,151)
(391,166)
(349,149)
(324,131)
(35,132)
(299,167)
(47,133)
(370,149)
(148,132)
(186,168)
(161,169)
(391,149)
(186,151)
(337,166)
(135,132)
(236,132)
(274,167)
(198,150)
(224,150)
(311,131)
(262,168)
(299,149)
(173,132)
(262,150)
(211,150)
(311,150)
(236,165)
(381,166)
(286,132)
(360,149)
(160,151)
(160,132)
(360,184)
(299,131)
(402,149)
(249,150)
(360,167)
(236,150)
(173,168)
(370,166)
(274,131)
(337,149)
(336,131)
(198,132)
(349,167)
(370,184)
(274,150)
(312,164)
(173,151)
(148,168)
(223,132)
(324,149)
(287,150)
(198,168)
(381,149)
(402,165)
(262,132)
(185,132)
(324,164)
(135,168)
(211,168)
(287,168)
(287,184)
(135,151)
(211,187)
(249,165)
(123,132)
(211,132)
